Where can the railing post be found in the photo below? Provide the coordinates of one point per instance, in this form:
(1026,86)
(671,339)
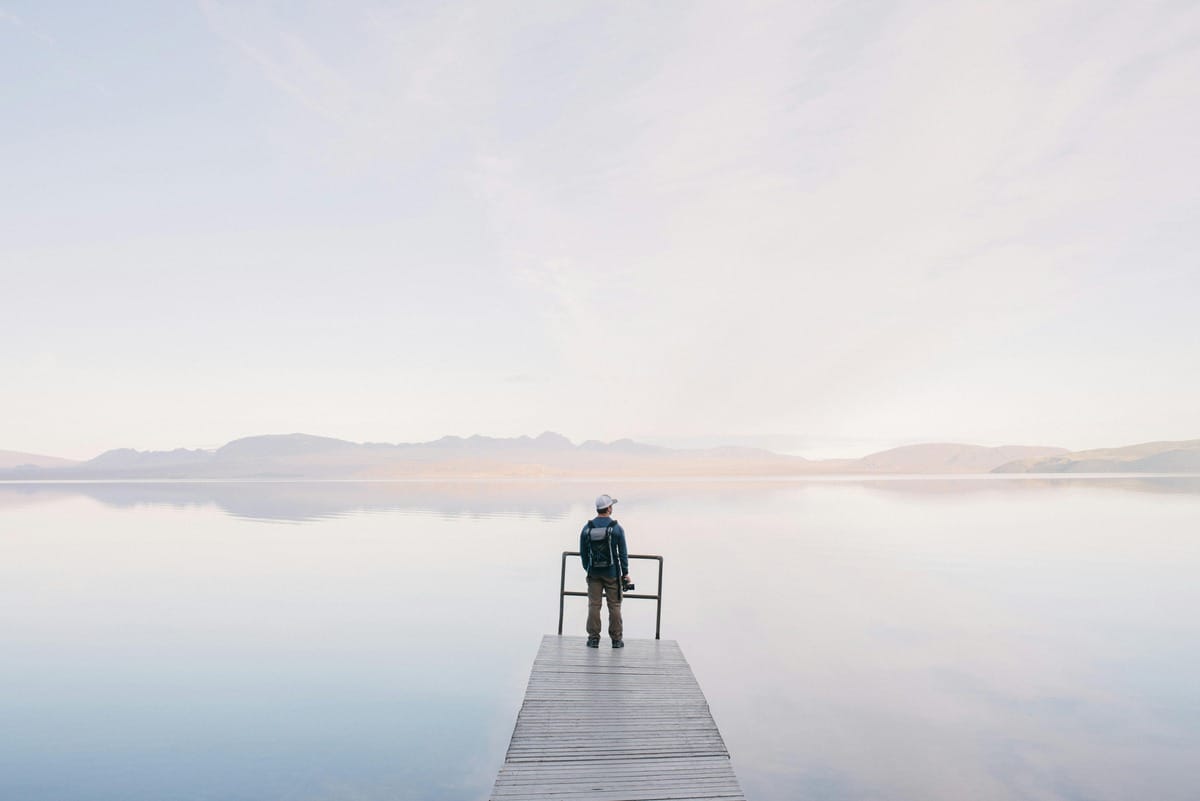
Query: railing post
(658,616)
(562,588)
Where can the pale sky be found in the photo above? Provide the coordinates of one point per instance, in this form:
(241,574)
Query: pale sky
(819,227)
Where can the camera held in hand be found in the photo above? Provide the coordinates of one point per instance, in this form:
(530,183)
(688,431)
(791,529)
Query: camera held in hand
(627,585)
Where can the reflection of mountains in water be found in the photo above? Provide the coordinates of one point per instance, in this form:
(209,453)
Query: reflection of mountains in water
(303,501)
(309,501)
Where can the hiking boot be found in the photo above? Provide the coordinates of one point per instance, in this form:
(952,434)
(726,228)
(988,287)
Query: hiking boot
(593,642)
(618,643)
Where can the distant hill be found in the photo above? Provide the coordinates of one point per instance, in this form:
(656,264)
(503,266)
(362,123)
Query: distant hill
(123,459)
(1148,457)
(279,446)
(308,456)
(551,455)
(17,460)
(286,456)
(947,457)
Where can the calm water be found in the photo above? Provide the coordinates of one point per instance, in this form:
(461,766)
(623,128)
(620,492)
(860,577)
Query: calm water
(906,639)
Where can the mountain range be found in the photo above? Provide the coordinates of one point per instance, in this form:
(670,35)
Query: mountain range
(16,459)
(551,455)
(1147,457)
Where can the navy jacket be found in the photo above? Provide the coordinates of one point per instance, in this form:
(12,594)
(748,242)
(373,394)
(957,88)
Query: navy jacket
(618,539)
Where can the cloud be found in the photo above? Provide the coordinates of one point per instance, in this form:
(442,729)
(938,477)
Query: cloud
(777,243)
(775,218)
(923,220)
(386,86)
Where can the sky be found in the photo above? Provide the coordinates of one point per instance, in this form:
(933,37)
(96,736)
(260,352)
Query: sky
(823,228)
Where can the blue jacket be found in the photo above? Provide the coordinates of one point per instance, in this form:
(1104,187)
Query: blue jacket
(618,541)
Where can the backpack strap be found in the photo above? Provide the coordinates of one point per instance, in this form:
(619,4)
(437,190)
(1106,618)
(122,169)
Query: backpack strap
(587,545)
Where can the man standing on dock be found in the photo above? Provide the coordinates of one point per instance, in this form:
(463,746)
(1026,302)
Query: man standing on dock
(606,560)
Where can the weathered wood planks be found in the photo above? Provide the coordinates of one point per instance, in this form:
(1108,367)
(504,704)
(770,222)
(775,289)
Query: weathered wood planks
(606,724)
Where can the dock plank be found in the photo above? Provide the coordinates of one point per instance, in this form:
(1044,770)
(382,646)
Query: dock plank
(604,724)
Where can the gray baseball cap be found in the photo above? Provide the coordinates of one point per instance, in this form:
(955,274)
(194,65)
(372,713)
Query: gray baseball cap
(605,501)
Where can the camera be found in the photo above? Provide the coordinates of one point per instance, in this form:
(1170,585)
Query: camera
(627,585)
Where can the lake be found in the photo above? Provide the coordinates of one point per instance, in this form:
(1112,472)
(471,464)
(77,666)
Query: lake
(969,638)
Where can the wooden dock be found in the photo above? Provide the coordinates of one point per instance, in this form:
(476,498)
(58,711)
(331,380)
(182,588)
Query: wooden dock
(606,724)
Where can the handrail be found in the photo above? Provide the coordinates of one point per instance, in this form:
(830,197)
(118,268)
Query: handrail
(563,592)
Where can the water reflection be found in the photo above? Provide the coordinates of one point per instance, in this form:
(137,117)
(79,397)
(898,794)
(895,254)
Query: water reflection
(310,501)
(307,501)
(857,639)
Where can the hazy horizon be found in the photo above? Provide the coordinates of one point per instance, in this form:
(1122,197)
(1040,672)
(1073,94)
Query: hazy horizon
(813,449)
(787,446)
(783,444)
(821,229)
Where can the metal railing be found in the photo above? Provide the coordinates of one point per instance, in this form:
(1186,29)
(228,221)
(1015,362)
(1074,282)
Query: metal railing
(563,592)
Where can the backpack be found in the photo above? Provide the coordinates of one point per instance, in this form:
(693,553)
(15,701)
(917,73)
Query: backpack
(600,546)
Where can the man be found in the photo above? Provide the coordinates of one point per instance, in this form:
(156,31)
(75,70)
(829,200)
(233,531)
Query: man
(602,549)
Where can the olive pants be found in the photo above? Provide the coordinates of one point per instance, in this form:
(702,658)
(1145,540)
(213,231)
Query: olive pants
(611,589)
